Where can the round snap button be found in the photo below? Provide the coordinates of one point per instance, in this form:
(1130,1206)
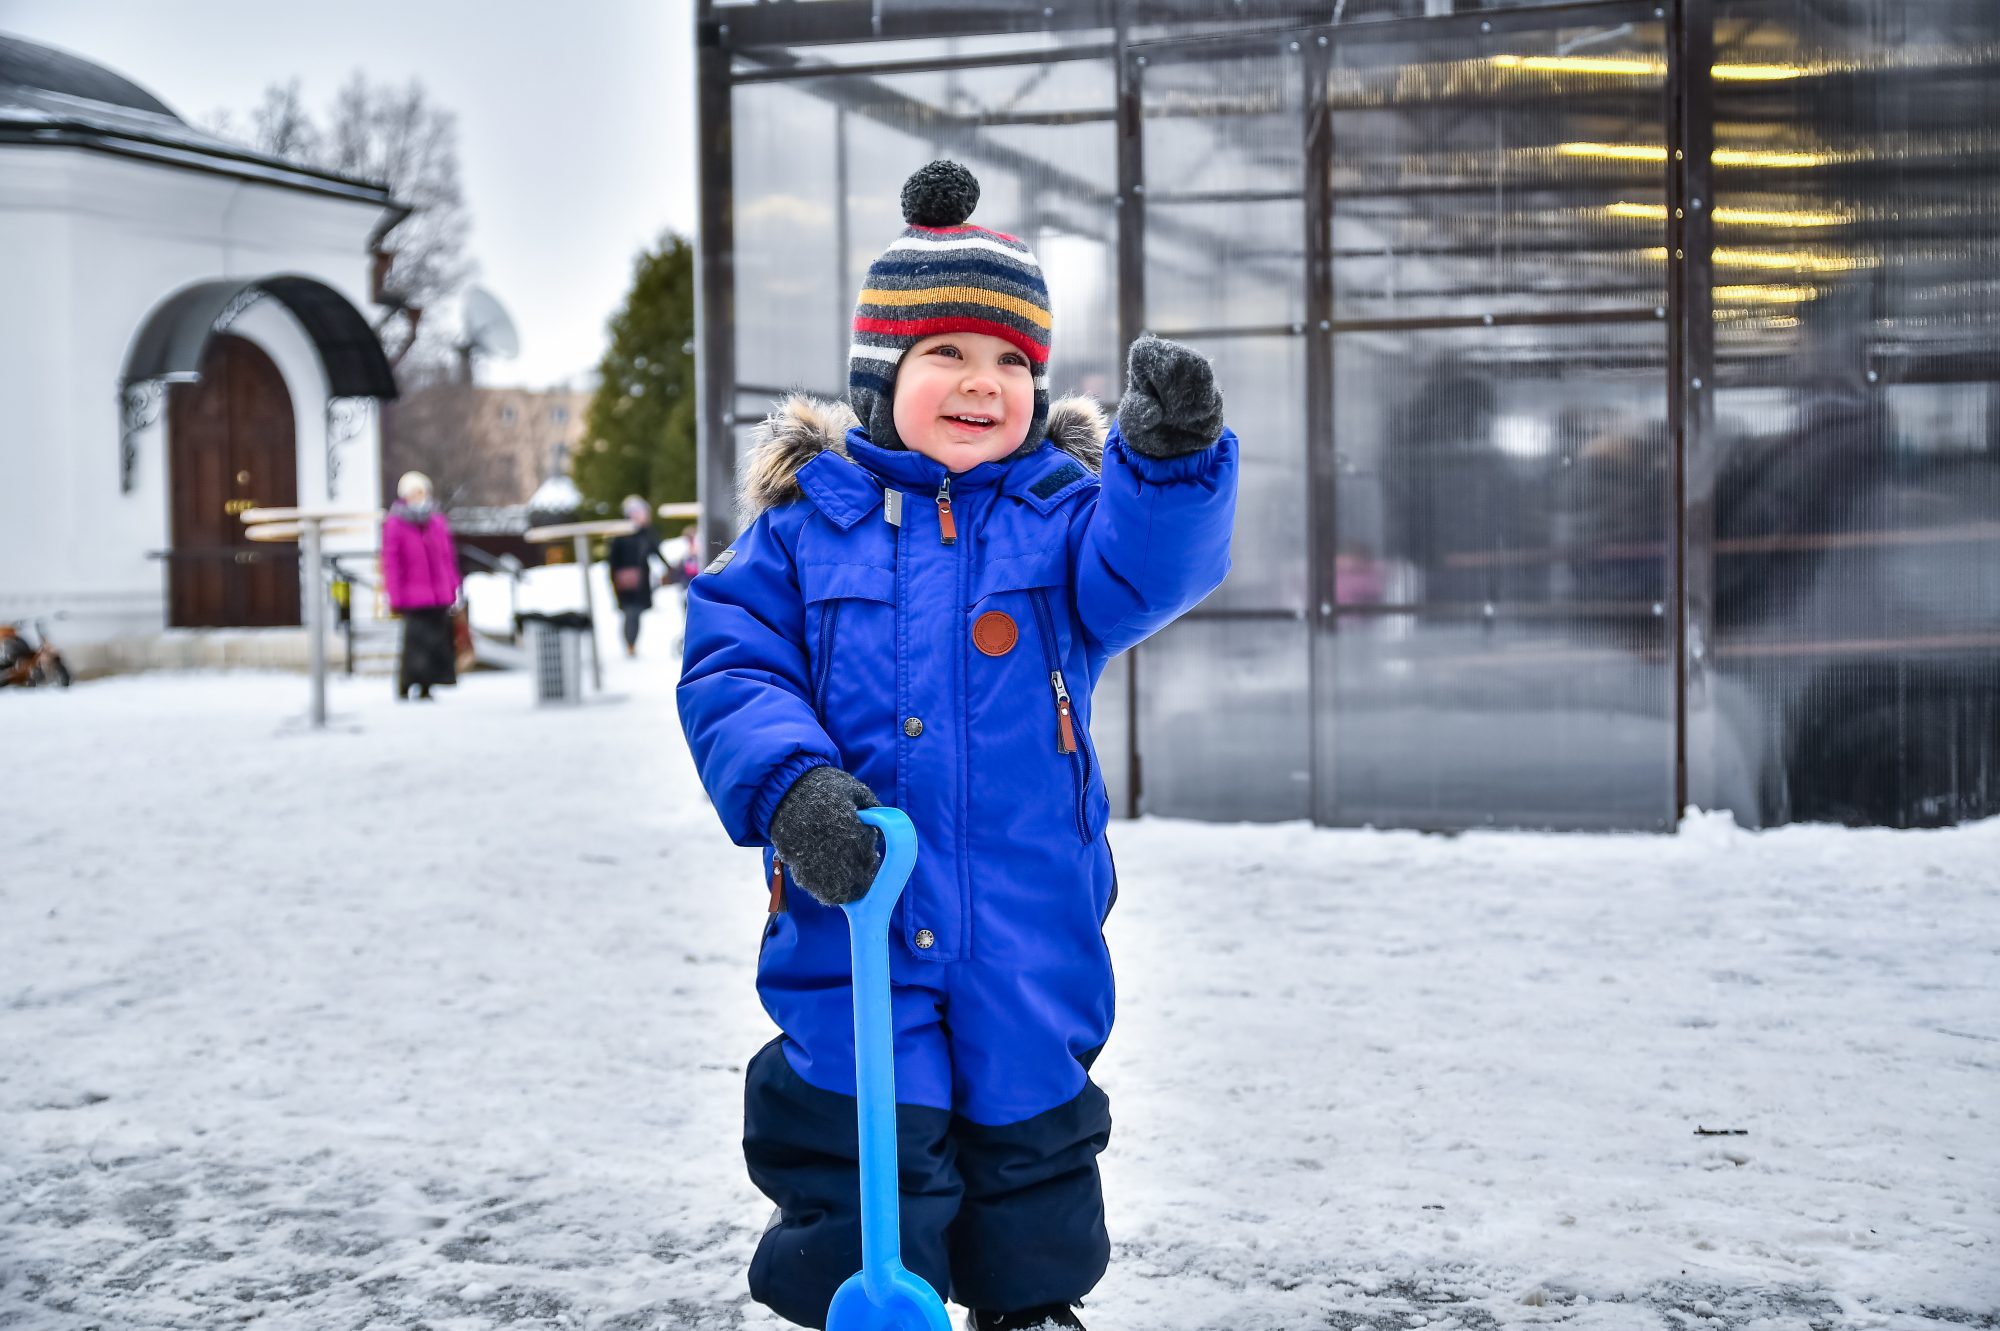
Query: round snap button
(926,939)
(913,727)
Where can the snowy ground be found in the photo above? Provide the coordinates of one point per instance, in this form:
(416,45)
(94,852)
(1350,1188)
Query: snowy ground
(437,1020)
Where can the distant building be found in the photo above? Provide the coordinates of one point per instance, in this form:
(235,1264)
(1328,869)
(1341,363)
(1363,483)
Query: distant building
(527,428)
(182,337)
(484,447)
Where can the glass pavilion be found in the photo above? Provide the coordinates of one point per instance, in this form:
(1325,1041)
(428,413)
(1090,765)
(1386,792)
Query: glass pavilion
(1619,382)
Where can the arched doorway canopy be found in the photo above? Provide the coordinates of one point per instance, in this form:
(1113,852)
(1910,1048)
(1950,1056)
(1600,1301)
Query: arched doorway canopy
(170,345)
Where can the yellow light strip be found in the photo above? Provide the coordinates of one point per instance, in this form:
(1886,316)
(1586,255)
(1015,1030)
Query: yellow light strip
(1641,67)
(1657,212)
(1785,261)
(1618,152)
(1646,152)
(1583,64)
(1757,73)
(1768,157)
(1777,261)
(1779,217)
(1768,295)
(1756,320)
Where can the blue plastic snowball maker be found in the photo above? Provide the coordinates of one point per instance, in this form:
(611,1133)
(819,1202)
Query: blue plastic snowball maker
(882,1296)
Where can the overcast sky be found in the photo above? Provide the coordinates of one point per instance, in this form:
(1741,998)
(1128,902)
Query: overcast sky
(575,123)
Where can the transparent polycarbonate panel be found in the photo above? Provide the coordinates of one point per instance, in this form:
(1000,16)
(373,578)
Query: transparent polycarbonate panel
(1047,183)
(1082,273)
(1453,723)
(1225,265)
(1520,171)
(1111,732)
(1263,387)
(1224,222)
(752,404)
(1001,26)
(745,437)
(1152,19)
(1857,411)
(791,317)
(1527,467)
(938,50)
(1223,720)
(962,103)
(1218,119)
(1900,732)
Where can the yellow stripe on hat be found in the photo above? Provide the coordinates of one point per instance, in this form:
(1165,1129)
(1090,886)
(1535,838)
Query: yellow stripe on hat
(1027,309)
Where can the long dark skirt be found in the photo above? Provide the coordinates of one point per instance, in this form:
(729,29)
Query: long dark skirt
(429,657)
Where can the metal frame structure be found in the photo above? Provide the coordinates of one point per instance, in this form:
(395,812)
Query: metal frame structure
(787,41)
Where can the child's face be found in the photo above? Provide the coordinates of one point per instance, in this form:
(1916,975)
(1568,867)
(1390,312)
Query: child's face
(964,398)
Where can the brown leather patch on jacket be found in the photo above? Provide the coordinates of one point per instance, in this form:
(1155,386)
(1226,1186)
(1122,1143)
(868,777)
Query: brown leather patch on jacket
(994,633)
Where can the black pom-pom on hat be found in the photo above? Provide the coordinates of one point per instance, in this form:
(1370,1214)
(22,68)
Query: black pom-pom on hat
(939,194)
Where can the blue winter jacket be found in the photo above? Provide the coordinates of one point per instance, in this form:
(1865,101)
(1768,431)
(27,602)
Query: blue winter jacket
(939,637)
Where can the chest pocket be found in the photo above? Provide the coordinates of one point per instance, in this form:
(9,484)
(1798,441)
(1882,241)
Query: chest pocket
(855,601)
(1033,588)
(1046,567)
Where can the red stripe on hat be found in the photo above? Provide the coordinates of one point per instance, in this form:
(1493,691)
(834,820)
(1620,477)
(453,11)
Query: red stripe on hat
(1036,351)
(961,230)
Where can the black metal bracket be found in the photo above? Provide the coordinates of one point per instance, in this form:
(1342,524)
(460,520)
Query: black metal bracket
(345,418)
(138,407)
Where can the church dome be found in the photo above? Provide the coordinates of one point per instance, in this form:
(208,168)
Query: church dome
(30,67)
(52,99)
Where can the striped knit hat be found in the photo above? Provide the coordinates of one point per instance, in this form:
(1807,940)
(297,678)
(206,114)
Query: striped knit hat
(944,276)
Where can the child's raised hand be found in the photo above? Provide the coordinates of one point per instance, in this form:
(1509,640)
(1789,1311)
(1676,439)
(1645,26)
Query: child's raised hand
(815,830)
(1171,404)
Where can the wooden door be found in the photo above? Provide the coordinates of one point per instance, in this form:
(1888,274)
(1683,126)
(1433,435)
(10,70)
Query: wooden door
(231,446)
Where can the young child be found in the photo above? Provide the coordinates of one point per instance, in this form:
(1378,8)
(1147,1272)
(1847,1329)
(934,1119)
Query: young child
(929,590)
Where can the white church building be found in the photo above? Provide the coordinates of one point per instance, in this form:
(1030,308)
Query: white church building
(183,335)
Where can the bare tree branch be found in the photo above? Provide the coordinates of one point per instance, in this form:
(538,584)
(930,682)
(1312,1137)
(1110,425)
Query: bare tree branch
(397,137)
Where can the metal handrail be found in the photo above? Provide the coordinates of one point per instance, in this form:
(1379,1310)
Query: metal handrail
(330,561)
(506,564)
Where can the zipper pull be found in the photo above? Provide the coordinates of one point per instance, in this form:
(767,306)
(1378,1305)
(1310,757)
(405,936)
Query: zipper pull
(947,529)
(1065,732)
(777,885)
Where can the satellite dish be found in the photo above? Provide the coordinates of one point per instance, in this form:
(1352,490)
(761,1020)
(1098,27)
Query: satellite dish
(488,330)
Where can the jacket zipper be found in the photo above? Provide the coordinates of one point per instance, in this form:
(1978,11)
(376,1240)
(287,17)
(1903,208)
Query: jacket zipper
(829,616)
(777,884)
(947,529)
(1066,740)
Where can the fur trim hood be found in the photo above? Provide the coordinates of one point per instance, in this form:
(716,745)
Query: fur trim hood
(803,427)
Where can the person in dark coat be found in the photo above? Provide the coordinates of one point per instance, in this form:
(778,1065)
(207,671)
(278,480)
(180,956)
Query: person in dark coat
(631,558)
(420,576)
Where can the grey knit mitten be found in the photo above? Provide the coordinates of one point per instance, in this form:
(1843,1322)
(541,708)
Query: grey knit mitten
(814,828)
(1171,404)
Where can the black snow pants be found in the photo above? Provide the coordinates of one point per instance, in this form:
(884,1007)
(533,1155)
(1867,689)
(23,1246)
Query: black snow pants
(995,1218)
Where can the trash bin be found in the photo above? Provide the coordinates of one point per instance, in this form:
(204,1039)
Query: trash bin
(555,645)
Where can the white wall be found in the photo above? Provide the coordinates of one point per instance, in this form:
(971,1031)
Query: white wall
(93,244)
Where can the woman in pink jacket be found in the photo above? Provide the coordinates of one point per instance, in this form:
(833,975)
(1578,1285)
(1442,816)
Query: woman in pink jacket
(420,574)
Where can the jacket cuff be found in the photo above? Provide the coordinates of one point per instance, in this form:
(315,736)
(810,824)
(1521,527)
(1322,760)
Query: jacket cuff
(1199,467)
(777,786)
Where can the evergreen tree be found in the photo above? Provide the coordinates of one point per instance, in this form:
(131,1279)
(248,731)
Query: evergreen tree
(638,436)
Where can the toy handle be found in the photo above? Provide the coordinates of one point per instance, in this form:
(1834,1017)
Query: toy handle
(874,1049)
